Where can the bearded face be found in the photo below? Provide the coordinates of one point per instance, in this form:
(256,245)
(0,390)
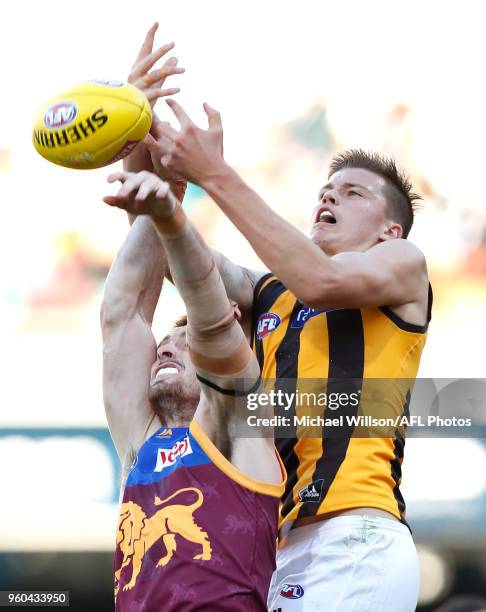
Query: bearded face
(173,389)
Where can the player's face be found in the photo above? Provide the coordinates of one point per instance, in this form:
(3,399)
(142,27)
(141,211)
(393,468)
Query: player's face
(350,215)
(173,374)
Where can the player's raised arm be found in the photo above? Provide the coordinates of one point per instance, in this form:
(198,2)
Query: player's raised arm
(150,80)
(217,344)
(238,281)
(317,279)
(144,75)
(129,349)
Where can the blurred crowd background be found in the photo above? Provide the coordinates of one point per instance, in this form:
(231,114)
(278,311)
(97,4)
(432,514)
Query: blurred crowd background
(295,84)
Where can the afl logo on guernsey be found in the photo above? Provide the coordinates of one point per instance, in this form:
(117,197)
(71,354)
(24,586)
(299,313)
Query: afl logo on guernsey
(60,115)
(267,323)
(292,591)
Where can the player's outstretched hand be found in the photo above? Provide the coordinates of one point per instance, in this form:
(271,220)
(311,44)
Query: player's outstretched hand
(191,153)
(142,193)
(150,82)
(154,142)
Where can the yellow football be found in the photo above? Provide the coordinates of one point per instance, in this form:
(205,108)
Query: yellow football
(92,125)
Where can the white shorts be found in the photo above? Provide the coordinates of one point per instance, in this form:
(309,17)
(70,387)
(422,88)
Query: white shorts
(346,564)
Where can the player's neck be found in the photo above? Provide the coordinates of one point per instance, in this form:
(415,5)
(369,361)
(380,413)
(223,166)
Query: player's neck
(174,414)
(176,422)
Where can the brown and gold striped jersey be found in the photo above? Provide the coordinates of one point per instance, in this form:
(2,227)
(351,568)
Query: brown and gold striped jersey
(294,342)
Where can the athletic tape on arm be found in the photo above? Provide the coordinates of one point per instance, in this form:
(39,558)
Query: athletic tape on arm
(216,340)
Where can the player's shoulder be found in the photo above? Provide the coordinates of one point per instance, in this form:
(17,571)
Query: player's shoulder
(409,270)
(255,276)
(398,245)
(400,251)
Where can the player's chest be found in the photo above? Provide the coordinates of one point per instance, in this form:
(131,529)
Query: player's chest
(164,453)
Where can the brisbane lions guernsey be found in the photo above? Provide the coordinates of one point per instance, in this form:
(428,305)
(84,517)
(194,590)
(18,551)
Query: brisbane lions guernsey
(336,469)
(194,532)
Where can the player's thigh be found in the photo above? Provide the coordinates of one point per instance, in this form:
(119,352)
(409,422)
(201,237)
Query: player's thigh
(365,566)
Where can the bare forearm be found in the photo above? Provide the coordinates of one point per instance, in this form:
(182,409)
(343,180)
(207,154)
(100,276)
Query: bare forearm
(137,161)
(136,275)
(290,255)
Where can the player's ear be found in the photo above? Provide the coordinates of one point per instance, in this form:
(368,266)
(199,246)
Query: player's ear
(392,231)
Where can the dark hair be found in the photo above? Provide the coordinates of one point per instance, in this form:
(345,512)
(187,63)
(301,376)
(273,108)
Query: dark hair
(401,200)
(180,322)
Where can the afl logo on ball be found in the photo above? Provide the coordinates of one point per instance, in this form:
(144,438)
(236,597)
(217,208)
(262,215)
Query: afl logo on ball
(107,82)
(267,323)
(60,115)
(292,591)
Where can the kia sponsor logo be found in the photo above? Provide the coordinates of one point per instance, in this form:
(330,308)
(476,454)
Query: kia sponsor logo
(60,115)
(267,323)
(292,591)
(168,456)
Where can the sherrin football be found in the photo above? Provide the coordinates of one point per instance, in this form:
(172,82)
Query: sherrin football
(92,125)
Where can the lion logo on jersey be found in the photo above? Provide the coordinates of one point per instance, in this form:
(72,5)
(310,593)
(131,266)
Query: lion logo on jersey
(138,532)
